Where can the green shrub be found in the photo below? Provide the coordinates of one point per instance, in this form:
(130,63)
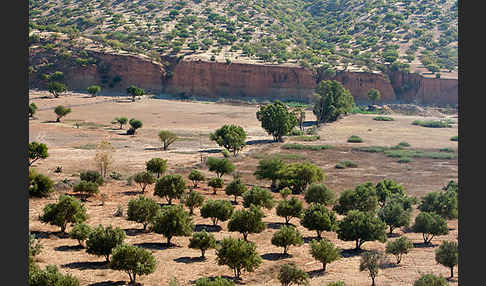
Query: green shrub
(80,232)
(317,217)
(238,255)
(324,251)
(287,236)
(102,241)
(404,144)
(39,185)
(142,210)
(133,260)
(307,138)
(236,188)
(430,280)
(404,160)
(290,274)
(66,210)
(399,247)
(296,146)
(448,150)
(372,149)
(355,139)
(193,200)
(50,276)
(216,183)
(217,281)
(217,210)
(321,194)
(383,118)
(258,197)
(455,138)
(346,164)
(86,189)
(202,241)
(172,221)
(196,176)
(433,123)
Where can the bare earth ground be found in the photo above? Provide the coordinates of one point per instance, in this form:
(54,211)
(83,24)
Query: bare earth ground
(72,148)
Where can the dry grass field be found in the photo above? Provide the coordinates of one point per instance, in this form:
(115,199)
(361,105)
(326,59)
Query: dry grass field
(71,145)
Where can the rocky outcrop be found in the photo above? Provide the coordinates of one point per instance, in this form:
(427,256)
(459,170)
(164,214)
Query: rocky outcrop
(236,80)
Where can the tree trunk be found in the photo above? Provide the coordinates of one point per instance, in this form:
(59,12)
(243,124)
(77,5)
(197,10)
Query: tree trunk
(144,226)
(236,202)
(391,229)
(169,200)
(285,249)
(319,235)
(452,272)
(107,258)
(121,126)
(214,221)
(58,119)
(357,244)
(372,281)
(245,236)
(168,240)
(287,220)
(324,267)
(191,211)
(203,251)
(63,228)
(134,278)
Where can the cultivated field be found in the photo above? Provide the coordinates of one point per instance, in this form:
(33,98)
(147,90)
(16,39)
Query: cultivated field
(71,145)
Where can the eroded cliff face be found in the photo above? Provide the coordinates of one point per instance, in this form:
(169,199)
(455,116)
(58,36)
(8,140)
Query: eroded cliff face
(235,80)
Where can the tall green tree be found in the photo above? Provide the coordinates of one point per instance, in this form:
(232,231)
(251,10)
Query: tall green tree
(287,236)
(232,137)
(217,210)
(362,198)
(238,255)
(247,221)
(220,166)
(269,168)
(66,210)
(133,260)
(289,274)
(61,111)
(298,176)
(259,197)
(324,251)
(448,255)
(171,187)
(172,221)
(331,100)
(361,227)
(202,241)
(430,225)
(37,151)
(317,217)
(102,240)
(276,119)
(157,166)
(142,210)
(288,209)
(374,95)
(236,188)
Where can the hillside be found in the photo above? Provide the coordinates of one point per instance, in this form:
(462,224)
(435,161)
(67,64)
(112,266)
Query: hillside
(325,35)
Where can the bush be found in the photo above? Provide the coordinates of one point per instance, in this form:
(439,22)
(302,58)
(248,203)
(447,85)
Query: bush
(289,209)
(383,118)
(371,261)
(61,111)
(287,236)
(39,185)
(156,166)
(317,217)
(119,211)
(232,137)
(218,281)
(134,125)
(172,221)
(51,276)
(247,221)
(430,280)
(448,255)
(276,119)
(37,151)
(430,225)
(142,210)
(363,198)
(202,241)
(238,255)
(404,160)
(361,227)
(226,153)
(92,176)
(346,164)
(86,189)
(290,274)
(269,169)
(297,176)
(296,146)
(319,193)
(94,89)
(324,251)
(403,144)
(66,210)
(220,166)
(394,215)
(80,232)
(235,188)
(143,179)
(32,109)
(167,138)
(355,139)
(455,138)
(337,283)
(399,247)
(170,187)
(102,241)
(217,210)
(258,197)
(216,183)
(307,138)
(433,123)
(133,260)
(196,176)
(193,200)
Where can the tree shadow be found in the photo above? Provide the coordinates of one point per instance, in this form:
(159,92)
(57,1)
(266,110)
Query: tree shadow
(387,265)
(275,256)
(134,231)
(47,234)
(424,245)
(259,141)
(69,247)
(186,259)
(153,149)
(345,253)
(308,239)
(231,278)
(86,265)
(391,235)
(210,151)
(316,273)
(207,228)
(132,193)
(276,225)
(49,121)
(155,245)
(108,283)
(309,123)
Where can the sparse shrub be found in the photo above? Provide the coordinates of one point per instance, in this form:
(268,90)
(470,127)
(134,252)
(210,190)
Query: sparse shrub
(346,164)
(50,276)
(121,120)
(220,166)
(39,185)
(196,176)
(226,153)
(430,225)
(104,156)
(134,125)
(430,280)
(32,109)
(172,221)
(324,251)
(383,118)
(287,236)
(235,188)
(217,210)
(142,210)
(247,221)
(86,189)
(94,89)
(289,274)
(404,160)
(337,283)
(143,179)
(66,210)
(156,166)
(276,119)
(133,260)
(119,211)
(216,183)
(317,217)
(289,209)
(217,281)
(232,137)
(371,261)
(170,187)
(455,138)
(167,138)
(404,144)
(296,146)
(115,175)
(101,240)
(319,193)
(448,255)
(399,247)
(37,151)
(61,111)
(202,241)
(355,139)
(433,123)
(361,227)
(258,197)
(238,255)
(80,232)
(92,176)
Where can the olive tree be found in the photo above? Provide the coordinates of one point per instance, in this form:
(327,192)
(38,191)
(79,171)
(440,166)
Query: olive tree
(217,210)
(442,203)
(276,119)
(193,200)
(39,185)
(235,188)
(196,176)
(287,236)
(66,210)
(317,217)
(238,255)
(373,95)
(94,90)
(216,183)
(133,260)
(143,179)
(172,221)
(371,261)
(55,88)
(170,187)
(37,151)
(399,247)
(319,193)
(92,176)
(448,255)
(50,276)
(220,166)
(167,138)
(247,221)
(156,166)
(297,176)
(32,109)
(331,101)
(134,91)
(102,240)
(86,189)
(232,137)
(388,189)
(324,251)
(258,197)
(361,227)
(394,215)
(290,274)
(269,168)
(362,198)
(61,111)
(202,241)
(121,120)
(289,209)
(142,210)
(430,225)
(80,232)
(430,280)
(134,125)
